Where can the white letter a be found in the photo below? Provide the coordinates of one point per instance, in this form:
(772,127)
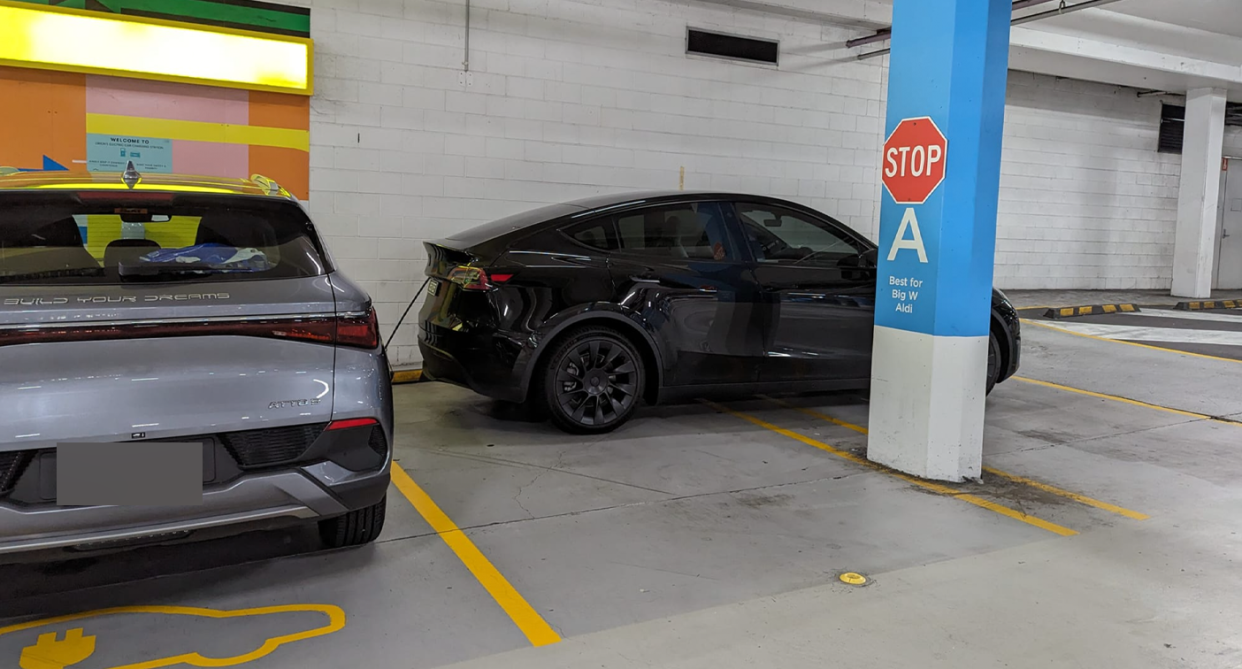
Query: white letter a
(915,242)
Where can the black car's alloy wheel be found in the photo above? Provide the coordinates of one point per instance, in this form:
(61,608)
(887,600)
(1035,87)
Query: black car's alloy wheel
(592,381)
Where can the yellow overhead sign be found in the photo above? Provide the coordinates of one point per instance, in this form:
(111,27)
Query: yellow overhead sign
(56,38)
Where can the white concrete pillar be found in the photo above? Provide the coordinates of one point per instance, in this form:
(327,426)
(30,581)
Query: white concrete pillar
(1197,197)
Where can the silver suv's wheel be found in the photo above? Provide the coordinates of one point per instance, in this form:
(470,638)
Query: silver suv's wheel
(354,528)
(592,381)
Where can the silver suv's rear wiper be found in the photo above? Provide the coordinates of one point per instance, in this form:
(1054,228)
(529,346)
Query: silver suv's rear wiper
(52,274)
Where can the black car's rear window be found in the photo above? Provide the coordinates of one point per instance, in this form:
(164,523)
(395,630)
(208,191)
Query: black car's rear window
(503,226)
(96,237)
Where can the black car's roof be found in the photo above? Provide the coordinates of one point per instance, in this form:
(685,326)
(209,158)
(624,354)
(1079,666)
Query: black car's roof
(596,202)
(504,230)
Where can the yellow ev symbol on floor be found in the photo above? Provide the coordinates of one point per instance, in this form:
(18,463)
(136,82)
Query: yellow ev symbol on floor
(59,646)
(48,653)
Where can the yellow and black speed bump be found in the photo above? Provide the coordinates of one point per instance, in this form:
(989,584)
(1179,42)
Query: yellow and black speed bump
(1090,310)
(1209,304)
(407,376)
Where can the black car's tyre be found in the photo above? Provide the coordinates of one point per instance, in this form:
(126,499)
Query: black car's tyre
(354,528)
(592,381)
(994,361)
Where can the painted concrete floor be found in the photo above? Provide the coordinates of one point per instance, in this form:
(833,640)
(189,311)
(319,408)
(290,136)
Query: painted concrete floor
(1105,533)
(1216,332)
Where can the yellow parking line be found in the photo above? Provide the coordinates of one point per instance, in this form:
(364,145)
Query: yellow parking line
(536,629)
(926,485)
(1115,398)
(1082,499)
(1127,343)
(816,414)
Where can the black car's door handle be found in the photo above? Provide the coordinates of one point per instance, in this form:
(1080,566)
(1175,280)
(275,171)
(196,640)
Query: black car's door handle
(669,283)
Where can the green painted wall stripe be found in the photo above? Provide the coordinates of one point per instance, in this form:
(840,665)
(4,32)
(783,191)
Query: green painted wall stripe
(207,12)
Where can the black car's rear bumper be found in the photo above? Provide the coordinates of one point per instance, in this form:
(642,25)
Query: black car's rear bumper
(486,365)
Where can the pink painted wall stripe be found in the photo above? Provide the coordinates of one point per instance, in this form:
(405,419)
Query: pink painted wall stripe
(159,99)
(211,159)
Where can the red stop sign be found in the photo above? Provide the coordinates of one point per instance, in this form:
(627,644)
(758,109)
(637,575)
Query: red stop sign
(914,156)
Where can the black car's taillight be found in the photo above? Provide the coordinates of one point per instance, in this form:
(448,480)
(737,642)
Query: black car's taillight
(346,330)
(474,278)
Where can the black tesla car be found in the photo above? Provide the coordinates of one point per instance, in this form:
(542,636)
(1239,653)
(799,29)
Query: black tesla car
(585,307)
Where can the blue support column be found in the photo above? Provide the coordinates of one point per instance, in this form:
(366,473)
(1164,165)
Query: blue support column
(949,62)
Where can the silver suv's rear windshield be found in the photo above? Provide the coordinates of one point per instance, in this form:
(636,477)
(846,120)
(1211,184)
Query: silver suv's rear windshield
(110,237)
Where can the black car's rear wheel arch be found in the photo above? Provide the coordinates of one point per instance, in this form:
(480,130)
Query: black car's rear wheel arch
(996,361)
(597,316)
(999,353)
(592,380)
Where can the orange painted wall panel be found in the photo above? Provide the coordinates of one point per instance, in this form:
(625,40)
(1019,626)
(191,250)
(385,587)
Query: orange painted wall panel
(279,110)
(288,167)
(43,113)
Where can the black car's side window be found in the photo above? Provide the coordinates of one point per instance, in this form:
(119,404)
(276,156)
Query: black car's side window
(692,230)
(780,236)
(596,233)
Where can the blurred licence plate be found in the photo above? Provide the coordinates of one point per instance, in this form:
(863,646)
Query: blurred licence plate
(433,288)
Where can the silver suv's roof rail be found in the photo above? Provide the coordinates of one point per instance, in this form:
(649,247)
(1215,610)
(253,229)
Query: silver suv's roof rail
(271,186)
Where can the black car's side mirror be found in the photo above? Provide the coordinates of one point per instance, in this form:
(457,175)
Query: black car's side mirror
(865,260)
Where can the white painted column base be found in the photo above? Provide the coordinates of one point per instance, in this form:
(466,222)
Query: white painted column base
(927,396)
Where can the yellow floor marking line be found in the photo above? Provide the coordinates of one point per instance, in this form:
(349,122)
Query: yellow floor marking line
(1115,398)
(1054,328)
(1081,499)
(926,485)
(49,653)
(816,414)
(536,629)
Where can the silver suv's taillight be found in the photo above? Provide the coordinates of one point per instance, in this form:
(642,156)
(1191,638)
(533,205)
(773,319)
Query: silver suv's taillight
(356,330)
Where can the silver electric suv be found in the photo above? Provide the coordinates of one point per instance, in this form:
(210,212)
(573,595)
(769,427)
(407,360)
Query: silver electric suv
(181,309)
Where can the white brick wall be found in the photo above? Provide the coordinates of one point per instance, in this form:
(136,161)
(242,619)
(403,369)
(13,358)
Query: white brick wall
(565,98)
(568,98)
(1085,201)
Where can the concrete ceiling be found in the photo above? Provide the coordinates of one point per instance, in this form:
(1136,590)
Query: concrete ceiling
(1221,16)
(1169,45)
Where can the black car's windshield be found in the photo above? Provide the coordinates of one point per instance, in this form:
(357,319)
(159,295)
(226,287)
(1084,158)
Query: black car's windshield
(107,238)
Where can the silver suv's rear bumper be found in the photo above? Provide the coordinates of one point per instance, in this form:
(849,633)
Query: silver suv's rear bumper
(288,495)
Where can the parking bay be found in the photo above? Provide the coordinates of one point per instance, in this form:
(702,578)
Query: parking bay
(689,508)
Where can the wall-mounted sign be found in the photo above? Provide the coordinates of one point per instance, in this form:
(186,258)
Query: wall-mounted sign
(110,153)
